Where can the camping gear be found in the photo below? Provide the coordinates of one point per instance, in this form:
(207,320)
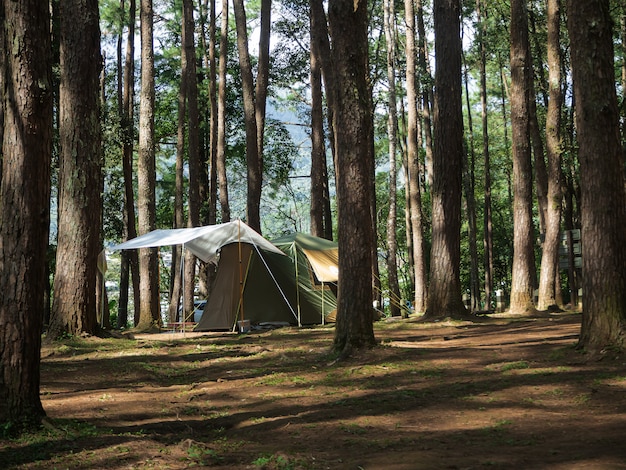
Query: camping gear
(256,282)
(204,242)
(266,288)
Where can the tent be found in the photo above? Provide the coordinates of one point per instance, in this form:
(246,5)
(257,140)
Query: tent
(204,242)
(262,286)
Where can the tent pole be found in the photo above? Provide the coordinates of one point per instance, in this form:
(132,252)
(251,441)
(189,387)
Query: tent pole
(103,295)
(240,270)
(182,283)
(323,316)
(295,255)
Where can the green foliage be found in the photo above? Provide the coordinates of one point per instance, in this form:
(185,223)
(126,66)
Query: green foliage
(276,462)
(200,455)
(285,204)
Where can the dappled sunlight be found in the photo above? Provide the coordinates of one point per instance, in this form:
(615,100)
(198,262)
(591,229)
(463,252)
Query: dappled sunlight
(502,390)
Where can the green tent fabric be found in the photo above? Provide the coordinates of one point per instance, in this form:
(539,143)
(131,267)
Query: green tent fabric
(265,287)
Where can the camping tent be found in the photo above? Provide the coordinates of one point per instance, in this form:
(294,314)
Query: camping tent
(264,287)
(321,254)
(204,242)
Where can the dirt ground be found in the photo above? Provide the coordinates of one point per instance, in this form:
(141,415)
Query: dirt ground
(496,393)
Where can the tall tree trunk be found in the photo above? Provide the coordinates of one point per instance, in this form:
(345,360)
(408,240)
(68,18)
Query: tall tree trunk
(523,256)
(319,171)
(487,217)
(392,128)
(80,173)
(413,173)
(221,116)
(321,49)
(146,176)
(188,64)
(622,102)
(27,94)
(103,313)
(504,93)
(602,188)
(550,256)
(469,188)
(255,167)
(427,93)
(329,77)
(176,275)
(348,25)
(536,138)
(210,65)
(262,78)
(444,299)
(130,259)
(208,135)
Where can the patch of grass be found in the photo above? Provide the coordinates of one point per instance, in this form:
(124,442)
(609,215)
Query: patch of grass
(603,379)
(73,429)
(429,373)
(507,366)
(298,380)
(498,431)
(169,371)
(201,455)
(191,411)
(515,366)
(558,354)
(225,445)
(353,428)
(275,378)
(278,462)
(556,392)
(582,398)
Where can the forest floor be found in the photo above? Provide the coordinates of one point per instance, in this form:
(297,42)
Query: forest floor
(494,393)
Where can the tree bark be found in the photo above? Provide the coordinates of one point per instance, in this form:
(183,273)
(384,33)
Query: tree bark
(80,205)
(426,95)
(469,188)
(321,34)
(176,277)
(320,197)
(550,255)
(254,163)
(208,135)
(262,78)
(188,65)
(523,256)
(602,188)
(130,259)
(348,26)
(392,131)
(221,116)
(210,64)
(413,167)
(444,299)
(146,176)
(487,210)
(27,94)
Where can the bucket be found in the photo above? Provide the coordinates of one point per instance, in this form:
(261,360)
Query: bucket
(244,326)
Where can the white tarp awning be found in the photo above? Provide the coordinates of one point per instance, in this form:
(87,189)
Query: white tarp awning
(204,242)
